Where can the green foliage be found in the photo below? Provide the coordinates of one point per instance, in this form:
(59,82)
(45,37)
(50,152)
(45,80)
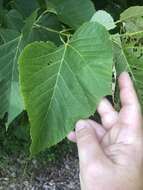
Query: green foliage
(25,7)
(132,13)
(63,84)
(104,18)
(73,13)
(68,55)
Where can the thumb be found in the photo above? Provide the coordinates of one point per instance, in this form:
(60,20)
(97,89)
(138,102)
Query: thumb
(89,148)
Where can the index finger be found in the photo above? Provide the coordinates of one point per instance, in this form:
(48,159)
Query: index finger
(130,113)
(128,94)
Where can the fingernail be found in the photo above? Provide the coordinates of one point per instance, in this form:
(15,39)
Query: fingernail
(80,125)
(125,73)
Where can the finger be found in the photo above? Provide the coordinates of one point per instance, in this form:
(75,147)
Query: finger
(130,113)
(72,136)
(100,131)
(107,113)
(128,95)
(89,148)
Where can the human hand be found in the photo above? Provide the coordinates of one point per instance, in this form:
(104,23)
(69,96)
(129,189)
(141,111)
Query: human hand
(111,154)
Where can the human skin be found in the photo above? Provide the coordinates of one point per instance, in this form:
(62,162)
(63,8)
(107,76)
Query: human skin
(111,153)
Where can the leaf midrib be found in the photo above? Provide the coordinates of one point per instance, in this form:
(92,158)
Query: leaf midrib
(58,75)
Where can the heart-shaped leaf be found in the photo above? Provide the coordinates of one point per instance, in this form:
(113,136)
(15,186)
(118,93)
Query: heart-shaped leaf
(61,85)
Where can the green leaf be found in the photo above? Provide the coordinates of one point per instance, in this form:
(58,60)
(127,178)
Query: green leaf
(120,60)
(136,66)
(14,20)
(128,56)
(73,12)
(12,43)
(3,13)
(62,85)
(121,65)
(1,4)
(25,7)
(10,100)
(47,28)
(8,34)
(134,55)
(131,13)
(134,25)
(104,18)
(44,27)
(132,17)
(28,28)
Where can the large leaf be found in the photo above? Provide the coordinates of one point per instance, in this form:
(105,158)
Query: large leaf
(62,85)
(10,51)
(73,12)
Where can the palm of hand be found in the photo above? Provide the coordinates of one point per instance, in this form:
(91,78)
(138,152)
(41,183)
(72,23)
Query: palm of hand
(123,135)
(111,154)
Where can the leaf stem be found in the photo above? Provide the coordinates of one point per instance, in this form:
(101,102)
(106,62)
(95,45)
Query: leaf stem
(51,30)
(39,18)
(118,21)
(132,33)
(4,41)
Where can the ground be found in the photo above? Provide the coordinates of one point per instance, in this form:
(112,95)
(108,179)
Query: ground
(52,170)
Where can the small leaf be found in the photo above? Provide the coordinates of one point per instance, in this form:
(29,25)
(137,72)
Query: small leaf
(62,85)
(104,18)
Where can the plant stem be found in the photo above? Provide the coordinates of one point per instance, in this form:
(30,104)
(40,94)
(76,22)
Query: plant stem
(51,30)
(132,33)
